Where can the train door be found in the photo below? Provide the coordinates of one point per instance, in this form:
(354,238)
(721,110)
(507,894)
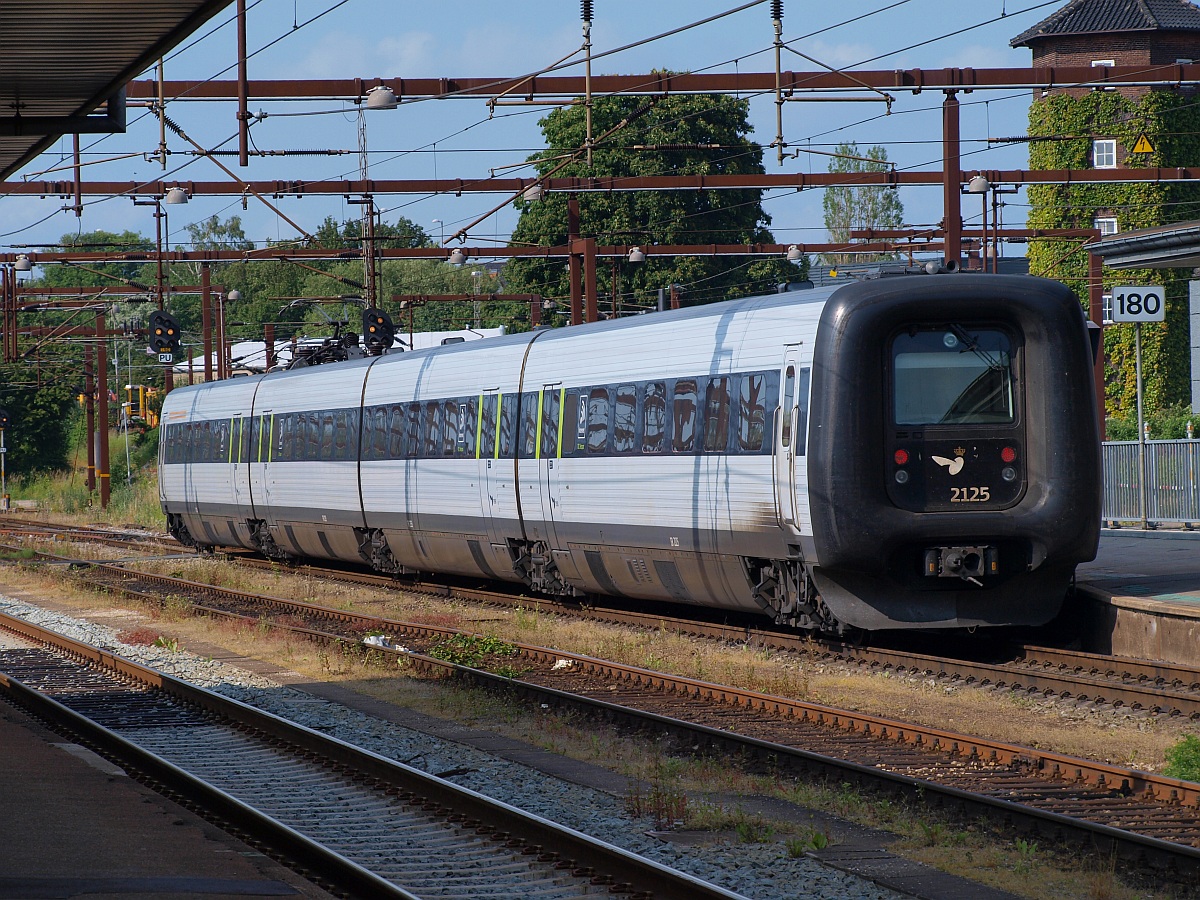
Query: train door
(237,462)
(789,437)
(486,447)
(548,428)
(259,453)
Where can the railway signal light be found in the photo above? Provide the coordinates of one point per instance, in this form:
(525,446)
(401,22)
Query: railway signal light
(378,331)
(3,419)
(164,334)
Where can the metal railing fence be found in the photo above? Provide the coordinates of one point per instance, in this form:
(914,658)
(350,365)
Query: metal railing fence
(1152,481)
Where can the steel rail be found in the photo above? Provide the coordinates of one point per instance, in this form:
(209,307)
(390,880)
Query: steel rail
(1140,685)
(1093,780)
(615,865)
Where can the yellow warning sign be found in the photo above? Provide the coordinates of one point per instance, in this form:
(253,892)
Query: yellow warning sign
(1143,145)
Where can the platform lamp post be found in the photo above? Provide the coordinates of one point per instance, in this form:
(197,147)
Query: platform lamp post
(980,185)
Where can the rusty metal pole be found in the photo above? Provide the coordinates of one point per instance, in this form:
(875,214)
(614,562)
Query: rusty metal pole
(78,179)
(206,320)
(1096,314)
(243,88)
(951,182)
(591,299)
(574,263)
(89,407)
(102,411)
(222,344)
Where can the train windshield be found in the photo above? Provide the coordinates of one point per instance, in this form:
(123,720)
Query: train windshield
(952,375)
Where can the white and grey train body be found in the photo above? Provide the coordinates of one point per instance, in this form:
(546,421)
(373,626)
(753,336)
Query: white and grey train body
(906,452)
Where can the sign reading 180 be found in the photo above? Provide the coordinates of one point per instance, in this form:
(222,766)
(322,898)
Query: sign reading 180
(1139,304)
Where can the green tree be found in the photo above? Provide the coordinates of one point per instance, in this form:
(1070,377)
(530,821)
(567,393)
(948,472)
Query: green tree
(39,418)
(849,208)
(679,135)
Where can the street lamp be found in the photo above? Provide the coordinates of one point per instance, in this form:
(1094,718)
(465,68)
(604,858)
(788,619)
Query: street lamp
(980,185)
(441,231)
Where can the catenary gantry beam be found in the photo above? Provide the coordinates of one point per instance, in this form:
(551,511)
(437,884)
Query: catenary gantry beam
(546,87)
(794,181)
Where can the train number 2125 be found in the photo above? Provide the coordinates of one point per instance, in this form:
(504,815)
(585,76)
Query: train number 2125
(970,494)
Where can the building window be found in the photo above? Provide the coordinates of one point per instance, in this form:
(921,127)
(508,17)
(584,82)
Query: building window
(1107,309)
(1103,62)
(1105,225)
(1104,154)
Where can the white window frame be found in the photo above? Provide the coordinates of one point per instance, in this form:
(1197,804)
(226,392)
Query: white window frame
(1096,63)
(1105,225)
(1106,306)
(1104,153)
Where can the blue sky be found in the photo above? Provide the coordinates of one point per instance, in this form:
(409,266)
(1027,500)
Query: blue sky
(455,138)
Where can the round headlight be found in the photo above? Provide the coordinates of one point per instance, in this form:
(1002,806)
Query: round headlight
(901,476)
(1008,473)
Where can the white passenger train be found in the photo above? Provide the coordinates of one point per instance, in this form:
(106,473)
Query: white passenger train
(912,451)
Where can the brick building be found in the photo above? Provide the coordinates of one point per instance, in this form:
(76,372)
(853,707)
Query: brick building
(1091,126)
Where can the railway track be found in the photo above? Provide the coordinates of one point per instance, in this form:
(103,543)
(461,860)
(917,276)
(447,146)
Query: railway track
(364,825)
(1138,686)
(1133,815)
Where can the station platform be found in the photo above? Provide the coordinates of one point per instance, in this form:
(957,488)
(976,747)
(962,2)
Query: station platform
(74,825)
(1140,597)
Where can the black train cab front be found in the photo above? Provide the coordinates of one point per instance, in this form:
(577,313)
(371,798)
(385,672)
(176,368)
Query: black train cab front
(955,464)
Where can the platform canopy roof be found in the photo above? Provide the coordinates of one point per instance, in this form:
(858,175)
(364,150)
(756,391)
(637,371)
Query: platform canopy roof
(64,64)
(1164,247)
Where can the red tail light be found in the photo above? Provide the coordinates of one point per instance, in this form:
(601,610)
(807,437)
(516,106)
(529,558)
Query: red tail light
(1008,454)
(901,457)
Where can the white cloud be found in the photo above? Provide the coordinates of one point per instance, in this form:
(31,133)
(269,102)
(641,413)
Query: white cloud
(338,53)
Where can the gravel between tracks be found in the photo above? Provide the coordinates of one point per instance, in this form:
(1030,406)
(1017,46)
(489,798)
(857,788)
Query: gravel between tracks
(755,870)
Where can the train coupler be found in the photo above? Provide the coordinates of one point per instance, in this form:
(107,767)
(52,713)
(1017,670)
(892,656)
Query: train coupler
(968,563)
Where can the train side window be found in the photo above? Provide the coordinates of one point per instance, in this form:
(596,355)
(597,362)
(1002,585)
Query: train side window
(570,419)
(716,415)
(527,442)
(221,441)
(434,424)
(625,419)
(598,407)
(393,435)
(752,413)
(244,441)
(508,416)
(328,436)
(802,416)
(549,436)
(683,416)
(412,431)
(654,417)
(312,437)
(467,423)
(285,439)
(789,392)
(487,426)
(344,443)
(450,427)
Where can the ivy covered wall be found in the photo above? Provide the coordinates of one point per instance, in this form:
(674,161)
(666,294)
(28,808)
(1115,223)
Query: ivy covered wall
(1171,121)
